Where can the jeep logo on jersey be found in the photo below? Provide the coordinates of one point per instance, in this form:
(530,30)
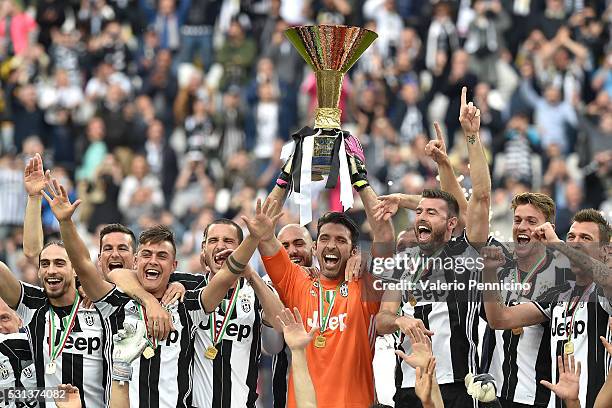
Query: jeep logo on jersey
(335,322)
(233,330)
(560,327)
(173,337)
(246,305)
(89,319)
(4,372)
(86,344)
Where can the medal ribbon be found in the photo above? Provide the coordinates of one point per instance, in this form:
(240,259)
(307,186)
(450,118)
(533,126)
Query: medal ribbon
(151,341)
(323,321)
(422,269)
(531,273)
(215,336)
(56,350)
(574,307)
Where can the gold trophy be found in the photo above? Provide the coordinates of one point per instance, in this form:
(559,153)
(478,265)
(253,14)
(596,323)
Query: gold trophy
(330,51)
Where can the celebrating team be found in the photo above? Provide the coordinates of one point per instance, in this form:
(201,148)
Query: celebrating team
(199,336)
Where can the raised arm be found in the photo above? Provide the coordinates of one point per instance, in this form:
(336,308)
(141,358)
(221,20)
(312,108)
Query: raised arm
(34,179)
(91,280)
(261,226)
(10,289)
(500,316)
(477,220)
(436,149)
(387,205)
(270,303)
(297,339)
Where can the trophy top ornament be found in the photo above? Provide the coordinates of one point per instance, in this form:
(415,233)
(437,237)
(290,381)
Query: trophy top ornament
(330,47)
(330,50)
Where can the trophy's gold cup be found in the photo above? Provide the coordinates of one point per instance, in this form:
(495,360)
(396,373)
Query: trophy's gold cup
(330,51)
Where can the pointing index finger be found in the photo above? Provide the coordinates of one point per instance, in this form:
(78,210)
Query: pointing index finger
(463,96)
(438,131)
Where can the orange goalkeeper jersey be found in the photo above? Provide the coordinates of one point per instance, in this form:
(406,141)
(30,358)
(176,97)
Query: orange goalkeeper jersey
(342,370)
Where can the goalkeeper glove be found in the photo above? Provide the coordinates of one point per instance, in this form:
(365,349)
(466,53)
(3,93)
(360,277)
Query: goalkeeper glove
(129,343)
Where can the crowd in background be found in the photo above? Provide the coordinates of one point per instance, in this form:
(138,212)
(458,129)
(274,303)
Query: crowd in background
(175,111)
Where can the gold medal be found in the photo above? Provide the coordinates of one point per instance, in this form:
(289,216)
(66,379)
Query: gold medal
(319,341)
(568,348)
(148,353)
(51,368)
(517,331)
(412,300)
(211,352)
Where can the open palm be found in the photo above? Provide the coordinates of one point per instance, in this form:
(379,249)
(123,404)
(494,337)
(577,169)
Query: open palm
(568,386)
(296,336)
(421,350)
(58,200)
(262,225)
(34,176)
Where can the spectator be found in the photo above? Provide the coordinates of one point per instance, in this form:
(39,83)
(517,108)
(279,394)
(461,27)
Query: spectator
(197,32)
(16,28)
(28,118)
(484,38)
(553,116)
(442,35)
(95,152)
(166,21)
(236,56)
(161,159)
(140,192)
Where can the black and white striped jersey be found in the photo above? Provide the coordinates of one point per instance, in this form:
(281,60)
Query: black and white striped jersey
(450,313)
(518,362)
(165,380)
(588,319)
(84,361)
(16,368)
(230,380)
(280,377)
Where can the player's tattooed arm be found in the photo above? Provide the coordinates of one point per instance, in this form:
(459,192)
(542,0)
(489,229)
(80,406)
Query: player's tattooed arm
(599,270)
(477,220)
(436,149)
(261,226)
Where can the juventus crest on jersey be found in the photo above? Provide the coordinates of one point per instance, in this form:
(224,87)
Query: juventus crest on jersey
(519,359)
(83,360)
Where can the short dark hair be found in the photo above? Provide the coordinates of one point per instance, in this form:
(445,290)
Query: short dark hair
(225,221)
(592,215)
(110,228)
(342,219)
(156,235)
(542,202)
(451,202)
(58,243)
